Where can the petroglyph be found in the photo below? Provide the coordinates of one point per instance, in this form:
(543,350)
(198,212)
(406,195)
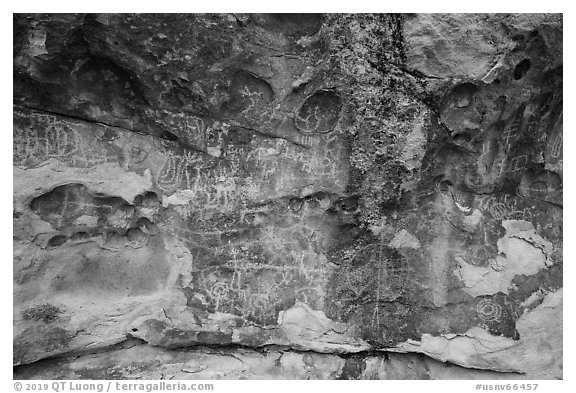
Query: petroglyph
(256,291)
(488,310)
(138,155)
(37,143)
(377,275)
(556,146)
(177,171)
(253,288)
(518,163)
(190,129)
(522,251)
(250,98)
(320,183)
(506,206)
(513,128)
(493,160)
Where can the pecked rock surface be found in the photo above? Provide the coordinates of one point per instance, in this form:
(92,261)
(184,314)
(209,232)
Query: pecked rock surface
(287,196)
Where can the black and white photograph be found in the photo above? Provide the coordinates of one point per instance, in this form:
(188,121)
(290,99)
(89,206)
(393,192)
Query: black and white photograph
(286,196)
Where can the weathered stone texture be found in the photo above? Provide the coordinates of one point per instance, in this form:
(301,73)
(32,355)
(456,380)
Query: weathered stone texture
(298,195)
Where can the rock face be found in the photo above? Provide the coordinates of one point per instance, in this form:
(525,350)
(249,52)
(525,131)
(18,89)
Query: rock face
(287,196)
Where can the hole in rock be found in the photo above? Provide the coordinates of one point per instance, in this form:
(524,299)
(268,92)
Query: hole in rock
(295,204)
(537,179)
(148,200)
(82,235)
(168,136)
(319,113)
(64,204)
(57,240)
(293,25)
(446,185)
(250,96)
(312,203)
(521,69)
(108,80)
(518,37)
(135,235)
(147,226)
(462,137)
(463,94)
